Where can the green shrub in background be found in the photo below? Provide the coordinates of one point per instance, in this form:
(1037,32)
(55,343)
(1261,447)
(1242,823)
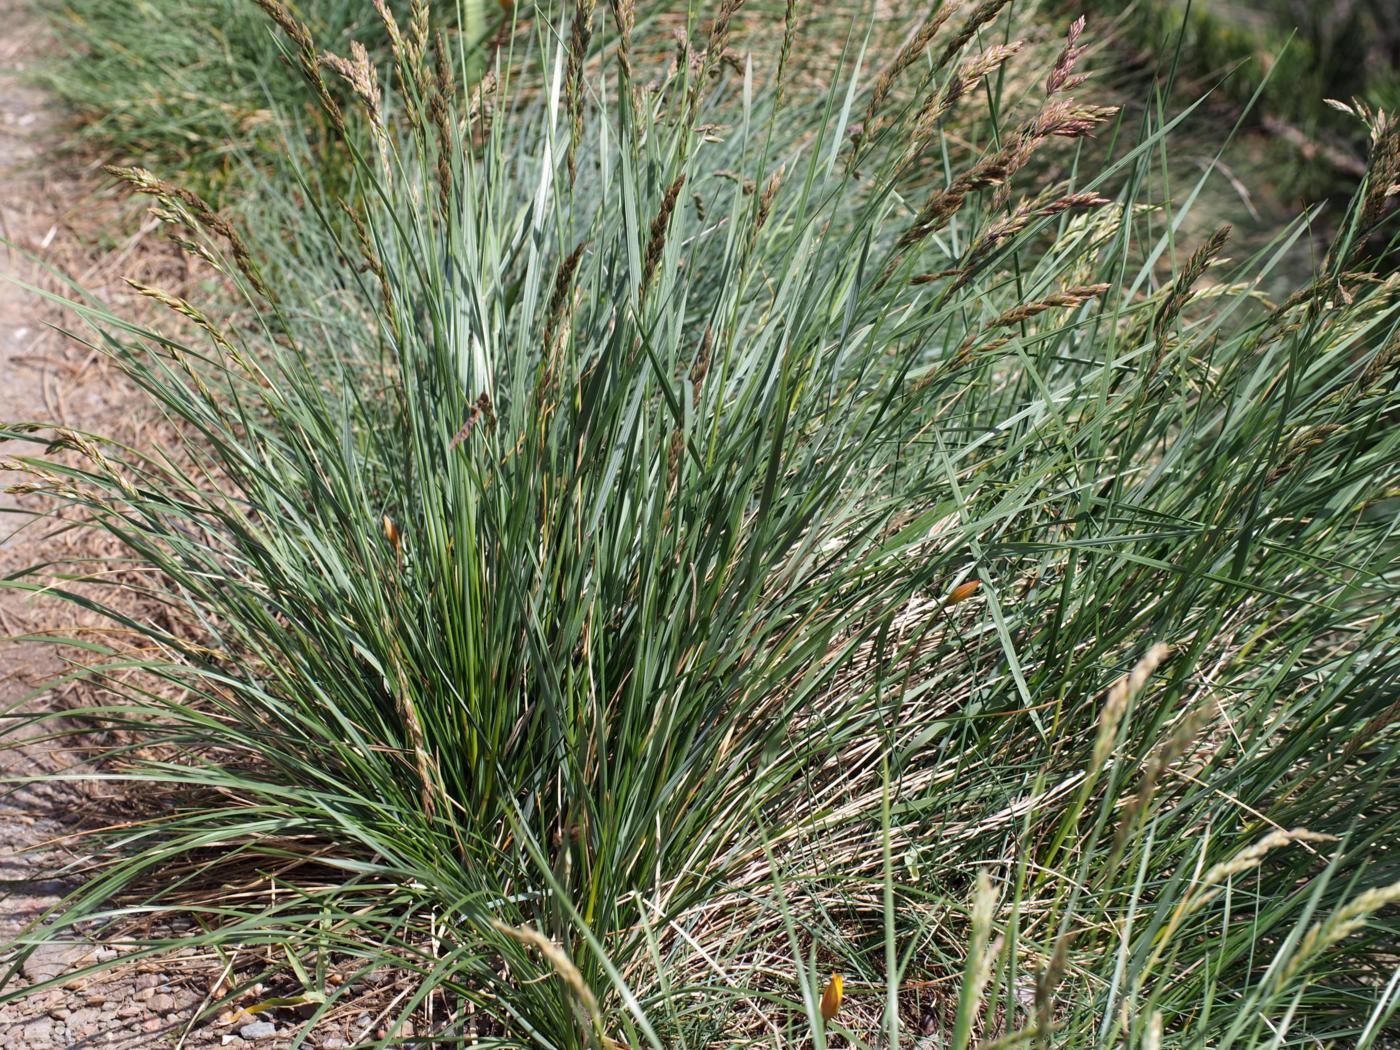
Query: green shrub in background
(649,558)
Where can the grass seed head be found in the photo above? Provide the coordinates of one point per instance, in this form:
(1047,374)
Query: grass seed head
(1069,297)
(1061,78)
(980,16)
(656,242)
(903,59)
(580,36)
(1116,704)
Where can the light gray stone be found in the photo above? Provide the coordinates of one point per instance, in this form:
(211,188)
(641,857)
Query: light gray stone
(54,960)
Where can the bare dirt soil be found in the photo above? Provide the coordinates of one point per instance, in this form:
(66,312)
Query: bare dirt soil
(58,218)
(45,211)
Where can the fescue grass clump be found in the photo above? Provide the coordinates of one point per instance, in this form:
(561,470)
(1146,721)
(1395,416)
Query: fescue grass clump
(681,538)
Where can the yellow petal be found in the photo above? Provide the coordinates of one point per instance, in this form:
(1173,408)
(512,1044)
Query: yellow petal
(831,997)
(964,591)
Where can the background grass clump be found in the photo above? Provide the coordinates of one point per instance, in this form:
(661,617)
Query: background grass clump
(202,87)
(672,537)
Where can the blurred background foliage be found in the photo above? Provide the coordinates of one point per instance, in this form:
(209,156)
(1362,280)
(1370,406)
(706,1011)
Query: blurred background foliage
(1274,63)
(193,103)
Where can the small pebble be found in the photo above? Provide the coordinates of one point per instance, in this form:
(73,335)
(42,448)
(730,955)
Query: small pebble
(258,1030)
